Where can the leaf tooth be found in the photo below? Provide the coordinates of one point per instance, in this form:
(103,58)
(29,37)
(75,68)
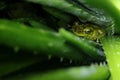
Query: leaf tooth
(49,57)
(94,64)
(101,64)
(16,49)
(35,52)
(61,59)
(104,63)
(70,61)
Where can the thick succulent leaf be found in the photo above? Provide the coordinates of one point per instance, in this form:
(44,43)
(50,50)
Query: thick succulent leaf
(39,40)
(111,46)
(93,72)
(83,15)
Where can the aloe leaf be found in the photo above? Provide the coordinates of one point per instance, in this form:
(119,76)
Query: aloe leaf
(111,46)
(73,9)
(42,41)
(93,72)
(57,13)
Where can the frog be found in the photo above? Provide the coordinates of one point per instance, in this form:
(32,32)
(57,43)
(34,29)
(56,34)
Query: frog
(88,31)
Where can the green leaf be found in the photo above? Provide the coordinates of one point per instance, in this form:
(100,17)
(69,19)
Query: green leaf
(93,72)
(42,41)
(111,46)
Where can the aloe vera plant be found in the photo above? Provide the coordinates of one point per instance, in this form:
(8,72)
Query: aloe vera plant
(37,42)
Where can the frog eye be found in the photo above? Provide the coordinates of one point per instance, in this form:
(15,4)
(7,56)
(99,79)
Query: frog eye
(88,31)
(100,32)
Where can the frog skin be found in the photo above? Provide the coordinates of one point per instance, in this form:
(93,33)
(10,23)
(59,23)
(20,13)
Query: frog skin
(88,31)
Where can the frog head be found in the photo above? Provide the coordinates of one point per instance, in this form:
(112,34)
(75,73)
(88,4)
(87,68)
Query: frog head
(89,31)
